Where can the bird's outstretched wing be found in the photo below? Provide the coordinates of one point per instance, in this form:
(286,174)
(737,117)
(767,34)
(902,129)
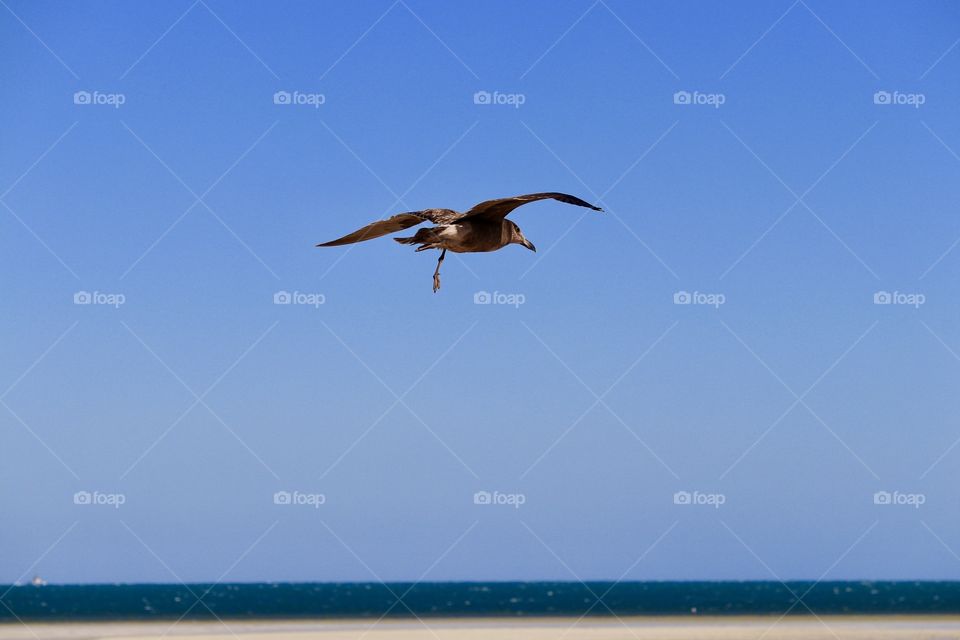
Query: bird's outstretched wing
(502,207)
(393,224)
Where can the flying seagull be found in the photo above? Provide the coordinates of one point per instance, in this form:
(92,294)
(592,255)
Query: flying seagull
(483,228)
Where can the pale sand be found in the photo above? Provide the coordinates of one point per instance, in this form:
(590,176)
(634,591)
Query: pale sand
(705,628)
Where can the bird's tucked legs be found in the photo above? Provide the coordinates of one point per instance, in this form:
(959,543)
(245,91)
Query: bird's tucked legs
(436,273)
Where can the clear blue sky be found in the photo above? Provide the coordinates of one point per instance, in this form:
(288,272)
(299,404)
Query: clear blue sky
(198,198)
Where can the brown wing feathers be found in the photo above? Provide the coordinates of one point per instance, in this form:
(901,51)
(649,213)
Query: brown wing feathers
(503,206)
(379,228)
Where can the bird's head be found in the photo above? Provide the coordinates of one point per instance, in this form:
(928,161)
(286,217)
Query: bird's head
(517,237)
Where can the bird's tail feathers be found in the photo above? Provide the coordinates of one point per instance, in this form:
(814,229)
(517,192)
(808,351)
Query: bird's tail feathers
(426,238)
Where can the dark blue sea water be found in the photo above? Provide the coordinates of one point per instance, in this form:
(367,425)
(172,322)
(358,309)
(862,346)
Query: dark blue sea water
(366,600)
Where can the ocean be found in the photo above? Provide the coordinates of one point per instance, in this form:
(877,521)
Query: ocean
(473,599)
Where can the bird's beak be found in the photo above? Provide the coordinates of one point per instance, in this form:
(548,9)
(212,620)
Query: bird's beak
(529,245)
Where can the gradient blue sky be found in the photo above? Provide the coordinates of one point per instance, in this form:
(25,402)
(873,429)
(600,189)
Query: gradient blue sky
(199,198)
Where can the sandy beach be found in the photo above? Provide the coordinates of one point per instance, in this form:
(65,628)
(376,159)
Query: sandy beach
(708,628)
